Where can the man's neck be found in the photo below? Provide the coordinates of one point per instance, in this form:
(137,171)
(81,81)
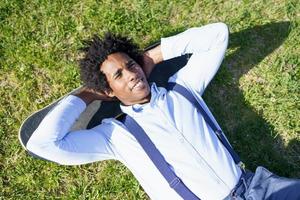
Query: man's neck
(142,101)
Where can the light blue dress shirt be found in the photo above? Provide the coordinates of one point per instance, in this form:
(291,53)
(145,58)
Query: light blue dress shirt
(175,127)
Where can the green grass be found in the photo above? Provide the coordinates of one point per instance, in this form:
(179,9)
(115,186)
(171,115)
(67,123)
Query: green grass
(255,95)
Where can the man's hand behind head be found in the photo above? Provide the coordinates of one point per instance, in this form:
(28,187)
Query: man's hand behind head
(89,95)
(150,59)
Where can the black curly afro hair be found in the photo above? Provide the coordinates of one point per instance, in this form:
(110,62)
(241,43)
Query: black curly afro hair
(96,51)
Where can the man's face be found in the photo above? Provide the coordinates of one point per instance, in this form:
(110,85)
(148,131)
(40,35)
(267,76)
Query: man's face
(126,79)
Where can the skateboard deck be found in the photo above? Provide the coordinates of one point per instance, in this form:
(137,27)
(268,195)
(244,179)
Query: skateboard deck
(98,110)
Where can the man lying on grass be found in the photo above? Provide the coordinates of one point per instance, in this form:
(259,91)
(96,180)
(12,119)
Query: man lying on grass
(193,147)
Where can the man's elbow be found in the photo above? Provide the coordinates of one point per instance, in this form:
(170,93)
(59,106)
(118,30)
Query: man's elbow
(36,148)
(222,30)
(39,151)
(221,33)
(40,148)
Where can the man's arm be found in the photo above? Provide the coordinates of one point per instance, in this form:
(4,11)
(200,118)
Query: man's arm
(53,140)
(207,44)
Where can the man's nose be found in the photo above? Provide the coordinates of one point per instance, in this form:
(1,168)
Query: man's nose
(132,75)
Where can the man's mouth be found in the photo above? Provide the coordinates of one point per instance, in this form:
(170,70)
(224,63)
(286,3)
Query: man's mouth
(138,84)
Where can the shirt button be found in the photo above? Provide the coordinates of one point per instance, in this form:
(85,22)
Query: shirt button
(181,140)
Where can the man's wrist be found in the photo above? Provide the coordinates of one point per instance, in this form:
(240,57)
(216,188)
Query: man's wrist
(151,58)
(155,54)
(86,97)
(89,95)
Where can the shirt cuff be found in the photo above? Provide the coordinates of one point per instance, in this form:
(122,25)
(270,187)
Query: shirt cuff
(74,101)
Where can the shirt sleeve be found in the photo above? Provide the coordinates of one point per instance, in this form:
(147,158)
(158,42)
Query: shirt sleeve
(53,141)
(207,44)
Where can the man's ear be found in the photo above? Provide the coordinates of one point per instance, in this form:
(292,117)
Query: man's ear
(109,93)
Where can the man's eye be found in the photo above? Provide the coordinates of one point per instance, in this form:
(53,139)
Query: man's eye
(130,65)
(119,75)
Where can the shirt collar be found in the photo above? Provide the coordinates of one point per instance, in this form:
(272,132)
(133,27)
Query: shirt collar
(139,108)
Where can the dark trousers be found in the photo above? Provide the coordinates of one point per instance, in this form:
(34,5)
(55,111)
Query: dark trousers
(264,185)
